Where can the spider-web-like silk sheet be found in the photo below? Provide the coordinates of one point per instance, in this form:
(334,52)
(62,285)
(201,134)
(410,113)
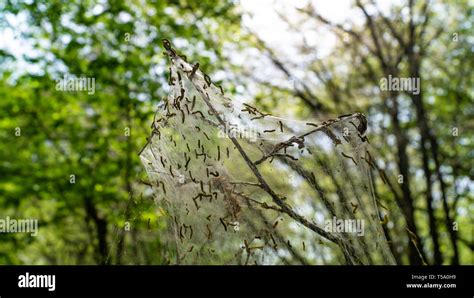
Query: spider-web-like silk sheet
(240,186)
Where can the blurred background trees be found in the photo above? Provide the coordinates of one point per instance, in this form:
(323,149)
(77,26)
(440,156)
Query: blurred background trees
(75,167)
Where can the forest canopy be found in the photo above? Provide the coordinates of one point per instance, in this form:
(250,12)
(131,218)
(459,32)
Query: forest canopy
(237,132)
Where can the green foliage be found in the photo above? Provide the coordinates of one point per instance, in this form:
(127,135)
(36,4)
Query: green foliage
(94,137)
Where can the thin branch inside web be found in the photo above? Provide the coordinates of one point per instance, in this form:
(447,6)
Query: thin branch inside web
(241,186)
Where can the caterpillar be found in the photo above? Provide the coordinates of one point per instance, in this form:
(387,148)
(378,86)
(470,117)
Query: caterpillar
(354,206)
(171,171)
(208,80)
(223,223)
(350,157)
(195,203)
(187,163)
(273,240)
(275,224)
(195,68)
(200,113)
(191,176)
(209,236)
(163,186)
(162,162)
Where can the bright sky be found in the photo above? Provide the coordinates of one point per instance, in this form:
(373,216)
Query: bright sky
(263,18)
